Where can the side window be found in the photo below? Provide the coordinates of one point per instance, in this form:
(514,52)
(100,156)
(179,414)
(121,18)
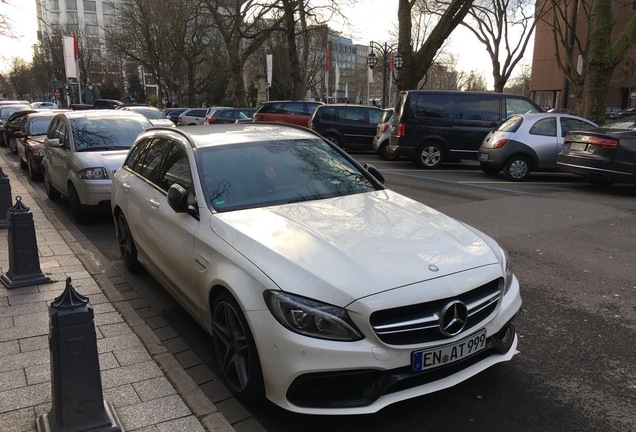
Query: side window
(545,127)
(569,124)
(329,113)
(352,114)
(432,105)
(175,168)
(61,132)
(295,108)
(518,106)
(133,156)
(148,163)
(476,107)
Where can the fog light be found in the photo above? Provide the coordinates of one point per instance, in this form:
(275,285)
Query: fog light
(503,340)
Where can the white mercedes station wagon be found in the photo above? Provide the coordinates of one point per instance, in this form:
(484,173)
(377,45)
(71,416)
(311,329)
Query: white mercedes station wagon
(323,291)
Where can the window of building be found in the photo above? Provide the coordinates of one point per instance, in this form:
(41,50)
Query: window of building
(54,5)
(108,8)
(71,5)
(90,6)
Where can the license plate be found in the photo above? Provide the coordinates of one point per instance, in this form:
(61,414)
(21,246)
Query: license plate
(432,358)
(483,156)
(578,146)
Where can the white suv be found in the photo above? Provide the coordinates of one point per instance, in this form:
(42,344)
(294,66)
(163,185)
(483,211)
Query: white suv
(82,151)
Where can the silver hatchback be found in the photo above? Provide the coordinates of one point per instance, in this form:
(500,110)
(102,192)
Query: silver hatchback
(527,142)
(82,151)
(382,135)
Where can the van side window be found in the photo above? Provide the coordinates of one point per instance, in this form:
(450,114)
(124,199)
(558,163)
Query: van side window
(518,106)
(476,107)
(352,114)
(374,116)
(432,105)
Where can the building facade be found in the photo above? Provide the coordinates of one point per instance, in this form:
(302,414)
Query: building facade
(548,84)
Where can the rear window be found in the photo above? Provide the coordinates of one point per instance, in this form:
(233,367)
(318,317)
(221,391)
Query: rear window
(626,124)
(511,124)
(386,116)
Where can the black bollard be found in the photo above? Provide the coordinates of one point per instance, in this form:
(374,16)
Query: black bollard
(24,262)
(5,198)
(76,384)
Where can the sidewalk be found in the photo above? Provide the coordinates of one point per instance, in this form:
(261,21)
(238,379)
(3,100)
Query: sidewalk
(142,380)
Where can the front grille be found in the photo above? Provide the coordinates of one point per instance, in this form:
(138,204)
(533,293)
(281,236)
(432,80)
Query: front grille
(419,323)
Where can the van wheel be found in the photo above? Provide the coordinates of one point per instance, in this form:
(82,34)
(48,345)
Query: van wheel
(430,155)
(383,154)
(517,169)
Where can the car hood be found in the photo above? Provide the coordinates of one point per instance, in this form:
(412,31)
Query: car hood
(36,141)
(341,249)
(112,160)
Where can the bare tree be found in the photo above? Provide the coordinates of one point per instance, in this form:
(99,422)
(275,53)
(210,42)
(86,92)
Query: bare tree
(20,78)
(418,58)
(504,27)
(598,53)
(244,26)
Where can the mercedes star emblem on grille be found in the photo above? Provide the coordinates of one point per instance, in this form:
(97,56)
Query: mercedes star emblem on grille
(453,318)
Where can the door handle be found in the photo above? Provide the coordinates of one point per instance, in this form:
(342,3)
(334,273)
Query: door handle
(154,203)
(125,186)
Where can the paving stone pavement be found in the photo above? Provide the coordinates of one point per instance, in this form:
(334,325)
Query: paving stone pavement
(141,378)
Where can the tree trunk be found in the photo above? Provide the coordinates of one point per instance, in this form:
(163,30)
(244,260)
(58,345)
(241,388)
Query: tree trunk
(297,85)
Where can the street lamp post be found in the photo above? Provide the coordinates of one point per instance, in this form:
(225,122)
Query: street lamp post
(385,52)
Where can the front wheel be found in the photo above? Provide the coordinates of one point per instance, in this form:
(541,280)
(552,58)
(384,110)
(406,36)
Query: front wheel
(126,245)
(51,192)
(235,350)
(430,155)
(13,145)
(77,209)
(517,169)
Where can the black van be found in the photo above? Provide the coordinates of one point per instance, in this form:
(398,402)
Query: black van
(351,127)
(433,126)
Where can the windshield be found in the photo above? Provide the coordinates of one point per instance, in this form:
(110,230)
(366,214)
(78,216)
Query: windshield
(106,132)
(39,125)
(277,172)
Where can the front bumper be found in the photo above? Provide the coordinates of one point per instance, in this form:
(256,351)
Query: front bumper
(93,192)
(314,376)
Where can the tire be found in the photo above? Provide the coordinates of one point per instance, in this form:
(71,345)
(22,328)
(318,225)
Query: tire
(51,192)
(489,169)
(13,145)
(383,154)
(77,209)
(333,139)
(430,156)
(33,174)
(517,169)
(23,164)
(235,350)
(127,247)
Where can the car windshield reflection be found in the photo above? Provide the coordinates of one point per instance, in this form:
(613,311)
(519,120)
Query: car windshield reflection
(105,133)
(278,172)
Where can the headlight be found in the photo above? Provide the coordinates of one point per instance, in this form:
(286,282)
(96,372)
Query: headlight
(507,268)
(311,318)
(38,152)
(93,174)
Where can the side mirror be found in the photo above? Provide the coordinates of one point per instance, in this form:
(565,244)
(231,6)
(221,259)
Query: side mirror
(55,142)
(374,172)
(19,134)
(178,198)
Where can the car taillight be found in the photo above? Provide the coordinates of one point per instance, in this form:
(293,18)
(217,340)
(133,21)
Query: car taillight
(500,143)
(607,143)
(312,125)
(401,129)
(179,120)
(211,120)
(384,127)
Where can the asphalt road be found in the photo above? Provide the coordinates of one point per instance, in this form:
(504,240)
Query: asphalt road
(572,247)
